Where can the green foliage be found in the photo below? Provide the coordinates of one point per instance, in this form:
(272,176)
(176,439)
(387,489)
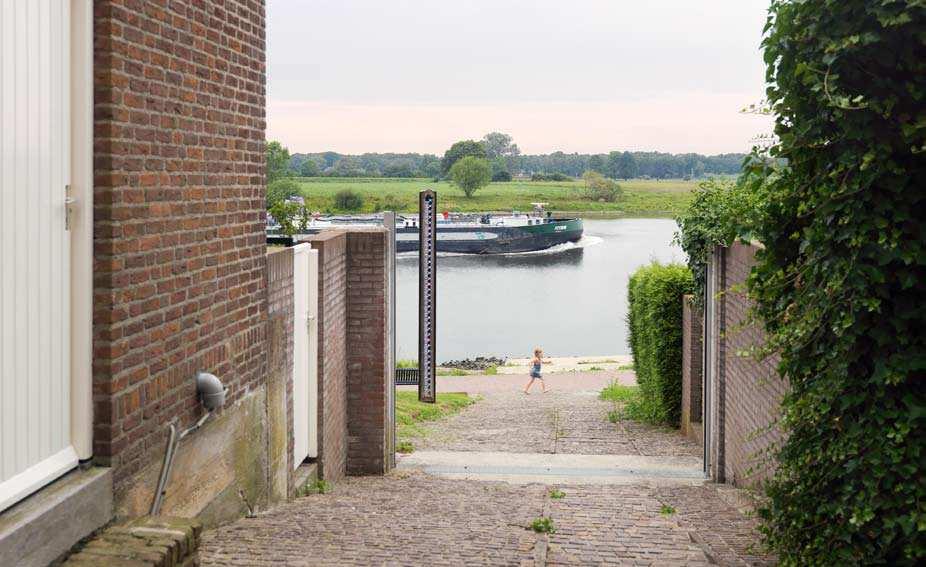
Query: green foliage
(617,392)
(666,510)
(501,176)
(308,168)
(629,403)
(460,150)
(491,370)
(347,200)
(640,197)
(557,494)
(470,173)
(452,372)
(280,190)
(550,177)
(599,188)
(404,447)
(720,212)
(543,525)
(841,281)
(317,486)
(406,363)
(277,161)
(655,323)
(288,214)
(411,413)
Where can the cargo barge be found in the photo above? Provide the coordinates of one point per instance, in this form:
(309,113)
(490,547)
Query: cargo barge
(465,233)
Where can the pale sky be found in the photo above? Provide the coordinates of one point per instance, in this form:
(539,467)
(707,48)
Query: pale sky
(586,76)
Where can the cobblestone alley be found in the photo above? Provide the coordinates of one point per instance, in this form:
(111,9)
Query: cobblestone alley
(415,516)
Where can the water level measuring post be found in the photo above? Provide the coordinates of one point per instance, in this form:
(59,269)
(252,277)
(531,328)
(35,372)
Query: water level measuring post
(427,295)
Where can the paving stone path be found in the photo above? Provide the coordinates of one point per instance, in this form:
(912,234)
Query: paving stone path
(564,420)
(412,518)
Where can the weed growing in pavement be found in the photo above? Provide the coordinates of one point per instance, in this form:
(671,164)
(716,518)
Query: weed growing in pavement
(404,447)
(543,526)
(557,494)
(595,369)
(317,486)
(616,415)
(666,510)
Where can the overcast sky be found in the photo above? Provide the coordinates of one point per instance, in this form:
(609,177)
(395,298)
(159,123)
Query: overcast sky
(591,76)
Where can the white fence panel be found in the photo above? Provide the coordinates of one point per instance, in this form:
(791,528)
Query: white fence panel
(305,353)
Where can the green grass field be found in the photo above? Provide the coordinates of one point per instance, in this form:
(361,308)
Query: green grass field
(647,198)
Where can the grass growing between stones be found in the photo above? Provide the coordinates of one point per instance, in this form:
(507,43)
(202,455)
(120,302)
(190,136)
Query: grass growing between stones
(543,525)
(410,414)
(628,403)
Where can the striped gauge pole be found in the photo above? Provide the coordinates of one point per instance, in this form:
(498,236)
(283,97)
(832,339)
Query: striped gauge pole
(427,295)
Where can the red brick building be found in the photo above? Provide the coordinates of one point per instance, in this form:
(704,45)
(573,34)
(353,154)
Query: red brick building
(169,275)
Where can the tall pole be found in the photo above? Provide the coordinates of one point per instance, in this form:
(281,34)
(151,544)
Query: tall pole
(389,223)
(427,295)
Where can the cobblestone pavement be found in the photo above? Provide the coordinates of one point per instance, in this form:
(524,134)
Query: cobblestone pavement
(568,419)
(412,519)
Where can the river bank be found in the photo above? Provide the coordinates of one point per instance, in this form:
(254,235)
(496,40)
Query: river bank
(640,197)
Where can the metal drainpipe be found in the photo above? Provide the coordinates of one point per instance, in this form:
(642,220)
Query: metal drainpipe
(173,441)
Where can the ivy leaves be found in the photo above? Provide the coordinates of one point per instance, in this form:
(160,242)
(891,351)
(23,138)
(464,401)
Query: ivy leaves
(841,281)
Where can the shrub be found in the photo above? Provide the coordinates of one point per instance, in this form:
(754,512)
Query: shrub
(655,322)
(600,188)
(841,280)
(280,190)
(501,176)
(550,177)
(348,200)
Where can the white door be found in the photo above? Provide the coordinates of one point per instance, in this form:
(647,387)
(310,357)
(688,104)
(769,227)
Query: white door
(305,353)
(35,285)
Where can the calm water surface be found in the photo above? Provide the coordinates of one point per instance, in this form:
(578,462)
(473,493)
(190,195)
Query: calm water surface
(571,300)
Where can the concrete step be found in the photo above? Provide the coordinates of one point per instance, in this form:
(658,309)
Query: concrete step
(547,468)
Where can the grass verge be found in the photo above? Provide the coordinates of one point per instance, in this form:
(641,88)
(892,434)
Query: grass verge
(410,414)
(640,197)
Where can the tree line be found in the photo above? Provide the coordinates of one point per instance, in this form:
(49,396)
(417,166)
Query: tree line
(506,161)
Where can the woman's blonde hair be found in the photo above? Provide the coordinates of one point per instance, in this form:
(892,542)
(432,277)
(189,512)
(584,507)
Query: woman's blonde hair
(538,350)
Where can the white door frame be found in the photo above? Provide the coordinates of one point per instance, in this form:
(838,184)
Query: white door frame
(82,228)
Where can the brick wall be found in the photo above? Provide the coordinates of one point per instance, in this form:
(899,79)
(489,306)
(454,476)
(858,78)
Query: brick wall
(281,319)
(692,356)
(746,392)
(179,248)
(367,358)
(332,353)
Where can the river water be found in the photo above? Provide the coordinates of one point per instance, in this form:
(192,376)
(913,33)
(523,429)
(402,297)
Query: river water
(571,300)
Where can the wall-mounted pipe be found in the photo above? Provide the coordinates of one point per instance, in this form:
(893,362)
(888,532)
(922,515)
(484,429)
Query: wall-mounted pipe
(212,396)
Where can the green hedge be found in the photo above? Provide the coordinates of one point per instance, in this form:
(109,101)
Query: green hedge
(655,322)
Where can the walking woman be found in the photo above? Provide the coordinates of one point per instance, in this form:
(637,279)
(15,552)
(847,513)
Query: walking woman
(535,365)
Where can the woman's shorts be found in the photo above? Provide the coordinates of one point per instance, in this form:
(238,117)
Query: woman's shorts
(536,375)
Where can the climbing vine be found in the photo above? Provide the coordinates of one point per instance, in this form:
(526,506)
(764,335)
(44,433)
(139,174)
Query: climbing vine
(841,281)
(720,212)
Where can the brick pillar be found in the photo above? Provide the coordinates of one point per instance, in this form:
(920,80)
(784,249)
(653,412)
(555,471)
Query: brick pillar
(367,353)
(692,337)
(332,353)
